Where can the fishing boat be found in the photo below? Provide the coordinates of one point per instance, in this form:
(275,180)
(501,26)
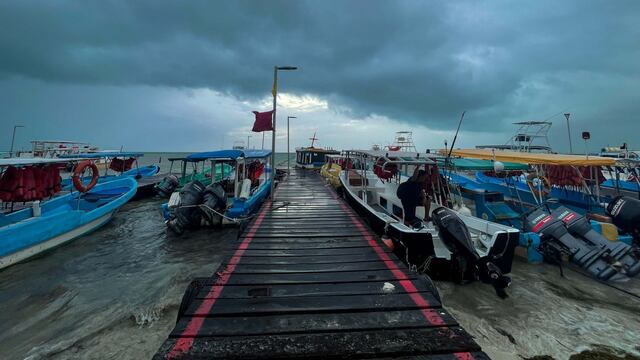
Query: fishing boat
(312,157)
(190,170)
(122,164)
(49,220)
(551,229)
(444,243)
(229,201)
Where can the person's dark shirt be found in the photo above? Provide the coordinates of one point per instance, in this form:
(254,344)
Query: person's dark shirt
(409,193)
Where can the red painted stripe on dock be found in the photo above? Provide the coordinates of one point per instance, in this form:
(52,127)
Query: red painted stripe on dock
(464,356)
(185,341)
(432,318)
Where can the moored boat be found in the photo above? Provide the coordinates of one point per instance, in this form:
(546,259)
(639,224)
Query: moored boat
(228,201)
(552,229)
(443,243)
(46,224)
(190,170)
(312,157)
(122,164)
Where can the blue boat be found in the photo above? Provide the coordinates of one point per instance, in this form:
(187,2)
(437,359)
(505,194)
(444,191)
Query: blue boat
(119,163)
(43,226)
(551,229)
(242,191)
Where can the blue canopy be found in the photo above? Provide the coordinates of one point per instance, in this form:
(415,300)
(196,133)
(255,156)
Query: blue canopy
(228,154)
(99,155)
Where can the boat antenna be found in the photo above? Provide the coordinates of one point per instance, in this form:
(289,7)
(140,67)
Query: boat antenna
(455,137)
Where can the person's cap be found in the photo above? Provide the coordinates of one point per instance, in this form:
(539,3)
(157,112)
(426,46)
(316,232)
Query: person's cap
(421,173)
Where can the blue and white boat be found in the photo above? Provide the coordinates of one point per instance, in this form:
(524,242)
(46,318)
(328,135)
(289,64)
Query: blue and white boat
(122,164)
(238,194)
(50,223)
(551,229)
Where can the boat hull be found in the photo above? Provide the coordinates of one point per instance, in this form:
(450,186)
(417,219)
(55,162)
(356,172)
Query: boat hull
(62,219)
(55,241)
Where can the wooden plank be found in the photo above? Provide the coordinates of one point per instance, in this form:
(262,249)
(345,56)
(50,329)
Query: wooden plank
(310,268)
(310,252)
(311,304)
(312,323)
(335,259)
(297,290)
(338,345)
(314,245)
(306,278)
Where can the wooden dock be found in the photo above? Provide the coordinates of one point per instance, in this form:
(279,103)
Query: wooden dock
(309,280)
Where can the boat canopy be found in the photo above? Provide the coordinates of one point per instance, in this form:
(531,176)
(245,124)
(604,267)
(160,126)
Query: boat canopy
(394,157)
(99,155)
(35,161)
(478,164)
(228,154)
(531,158)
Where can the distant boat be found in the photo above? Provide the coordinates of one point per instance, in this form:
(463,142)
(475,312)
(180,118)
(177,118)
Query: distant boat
(50,223)
(313,157)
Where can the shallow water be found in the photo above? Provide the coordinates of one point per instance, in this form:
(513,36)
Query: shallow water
(547,314)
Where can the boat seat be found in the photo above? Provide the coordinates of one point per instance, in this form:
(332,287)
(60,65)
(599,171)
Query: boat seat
(356,179)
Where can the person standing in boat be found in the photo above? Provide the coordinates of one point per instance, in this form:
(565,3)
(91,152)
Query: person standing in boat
(412,194)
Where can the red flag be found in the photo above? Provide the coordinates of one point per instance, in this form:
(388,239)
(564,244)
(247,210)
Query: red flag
(263,121)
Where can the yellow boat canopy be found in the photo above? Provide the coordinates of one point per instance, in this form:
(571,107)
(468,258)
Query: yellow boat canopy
(531,158)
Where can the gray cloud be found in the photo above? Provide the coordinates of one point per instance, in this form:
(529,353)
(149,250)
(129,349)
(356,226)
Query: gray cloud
(416,62)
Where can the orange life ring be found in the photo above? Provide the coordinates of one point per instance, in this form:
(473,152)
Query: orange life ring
(77,176)
(544,190)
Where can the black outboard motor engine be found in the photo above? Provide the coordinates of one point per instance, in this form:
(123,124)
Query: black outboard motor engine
(467,263)
(187,214)
(625,212)
(580,227)
(167,186)
(215,203)
(556,240)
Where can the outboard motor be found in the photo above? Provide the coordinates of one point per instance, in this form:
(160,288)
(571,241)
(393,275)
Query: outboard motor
(215,203)
(167,186)
(188,213)
(467,262)
(625,212)
(556,241)
(580,227)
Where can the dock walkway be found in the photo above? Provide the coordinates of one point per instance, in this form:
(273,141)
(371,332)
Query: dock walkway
(309,280)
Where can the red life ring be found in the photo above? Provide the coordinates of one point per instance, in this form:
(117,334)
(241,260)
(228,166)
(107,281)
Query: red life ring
(77,176)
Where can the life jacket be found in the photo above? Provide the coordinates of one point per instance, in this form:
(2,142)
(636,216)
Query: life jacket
(120,165)
(9,182)
(254,170)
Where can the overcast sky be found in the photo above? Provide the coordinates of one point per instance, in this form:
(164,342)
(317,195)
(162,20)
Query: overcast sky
(185,75)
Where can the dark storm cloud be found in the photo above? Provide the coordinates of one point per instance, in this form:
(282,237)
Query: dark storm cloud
(420,62)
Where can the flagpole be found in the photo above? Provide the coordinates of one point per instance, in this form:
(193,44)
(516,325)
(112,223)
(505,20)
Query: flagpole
(273,139)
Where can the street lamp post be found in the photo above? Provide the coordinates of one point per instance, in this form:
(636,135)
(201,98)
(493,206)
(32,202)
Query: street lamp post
(248,137)
(569,131)
(273,137)
(13,138)
(288,155)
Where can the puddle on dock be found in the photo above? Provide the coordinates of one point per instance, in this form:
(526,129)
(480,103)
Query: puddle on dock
(115,294)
